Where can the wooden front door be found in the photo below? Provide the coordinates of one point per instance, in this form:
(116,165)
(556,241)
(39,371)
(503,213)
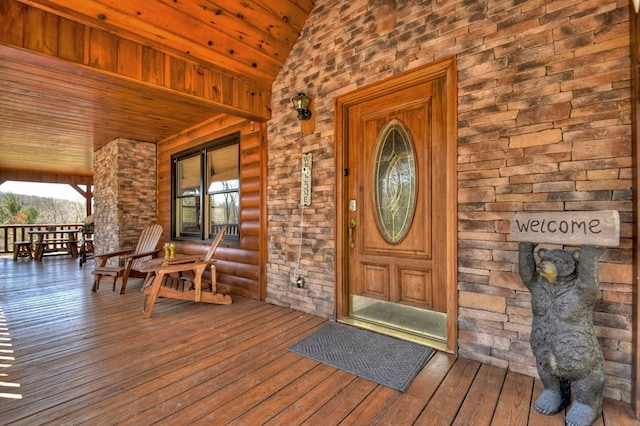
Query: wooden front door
(392,181)
(398,197)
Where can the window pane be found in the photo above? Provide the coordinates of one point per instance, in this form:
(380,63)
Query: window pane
(395,176)
(223,186)
(188,178)
(189,216)
(224,171)
(225,210)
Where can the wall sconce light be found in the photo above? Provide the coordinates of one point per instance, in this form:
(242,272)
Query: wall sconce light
(301,104)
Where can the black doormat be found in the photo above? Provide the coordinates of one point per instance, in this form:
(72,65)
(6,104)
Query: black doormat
(382,359)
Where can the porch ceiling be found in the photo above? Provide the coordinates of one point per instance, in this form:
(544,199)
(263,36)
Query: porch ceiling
(55,114)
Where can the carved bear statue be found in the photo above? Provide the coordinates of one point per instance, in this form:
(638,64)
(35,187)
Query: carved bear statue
(564,289)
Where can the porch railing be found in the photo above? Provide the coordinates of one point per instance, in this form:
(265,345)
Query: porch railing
(11,233)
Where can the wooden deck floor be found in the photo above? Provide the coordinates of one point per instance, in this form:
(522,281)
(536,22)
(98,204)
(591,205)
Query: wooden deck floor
(89,358)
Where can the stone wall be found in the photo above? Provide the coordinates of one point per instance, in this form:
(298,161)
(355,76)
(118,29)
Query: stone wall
(124,193)
(543,124)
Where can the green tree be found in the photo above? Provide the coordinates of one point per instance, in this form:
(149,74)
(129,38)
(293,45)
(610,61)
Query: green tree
(29,209)
(32,214)
(11,205)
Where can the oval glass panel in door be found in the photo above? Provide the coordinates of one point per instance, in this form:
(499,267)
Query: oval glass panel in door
(394,178)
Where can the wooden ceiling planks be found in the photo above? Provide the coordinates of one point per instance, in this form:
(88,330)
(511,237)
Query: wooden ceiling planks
(249,39)
(55,114)
(63,119)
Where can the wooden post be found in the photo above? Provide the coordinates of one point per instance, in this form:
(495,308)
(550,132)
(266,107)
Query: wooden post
(87,194)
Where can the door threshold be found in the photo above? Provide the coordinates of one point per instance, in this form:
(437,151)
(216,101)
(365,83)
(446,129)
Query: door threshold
(431,342)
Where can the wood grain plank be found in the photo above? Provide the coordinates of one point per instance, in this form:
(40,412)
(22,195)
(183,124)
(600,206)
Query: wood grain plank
(515,400)
(129,60)
(98,380)
(481,400)
(369,411)
(103,50)
(444,405)
(153,63)
(313,400)
(217,393)
(71,41)
(407,409)
(250,398)
(189,383)
(12,22)
(74,351)
(335,410)
(276,403)
(42,31)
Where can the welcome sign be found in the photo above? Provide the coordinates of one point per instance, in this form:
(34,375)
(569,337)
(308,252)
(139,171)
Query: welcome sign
(600,228)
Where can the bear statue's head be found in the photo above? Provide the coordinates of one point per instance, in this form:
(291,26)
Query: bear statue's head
(556,264)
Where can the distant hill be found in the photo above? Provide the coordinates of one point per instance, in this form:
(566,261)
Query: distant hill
(49,210)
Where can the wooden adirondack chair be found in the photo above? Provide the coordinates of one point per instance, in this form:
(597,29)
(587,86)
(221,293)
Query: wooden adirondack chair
(181,278)
(132,259)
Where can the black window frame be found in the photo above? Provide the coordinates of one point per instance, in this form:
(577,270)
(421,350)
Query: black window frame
(232,236)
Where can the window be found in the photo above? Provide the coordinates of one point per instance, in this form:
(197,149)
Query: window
(206,190)
(394,181)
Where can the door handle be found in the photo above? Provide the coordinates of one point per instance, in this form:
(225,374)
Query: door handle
(352,225)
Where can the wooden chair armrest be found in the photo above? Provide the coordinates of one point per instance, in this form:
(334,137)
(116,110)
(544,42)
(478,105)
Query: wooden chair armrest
(115,253)
(145,254)
(160,268)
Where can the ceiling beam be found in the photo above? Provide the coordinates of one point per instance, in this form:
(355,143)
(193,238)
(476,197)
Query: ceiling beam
(43,177)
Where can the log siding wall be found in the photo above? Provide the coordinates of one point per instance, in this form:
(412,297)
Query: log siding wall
(544,105)
(238,267)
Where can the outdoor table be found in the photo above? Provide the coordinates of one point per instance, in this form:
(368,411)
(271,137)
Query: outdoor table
(68,239)
(152,266)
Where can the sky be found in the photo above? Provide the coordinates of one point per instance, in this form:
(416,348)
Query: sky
(49,190)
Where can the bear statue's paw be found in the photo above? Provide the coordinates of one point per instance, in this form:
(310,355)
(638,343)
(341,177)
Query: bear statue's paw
(581,415)
(550,402)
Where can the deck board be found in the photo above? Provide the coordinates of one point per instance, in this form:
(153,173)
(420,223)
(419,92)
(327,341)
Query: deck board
(446,402)
(406,409)
(278,401)
(309,403)
(481,399)
(514,402)
(90,358)
(343,403)
(368,412)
